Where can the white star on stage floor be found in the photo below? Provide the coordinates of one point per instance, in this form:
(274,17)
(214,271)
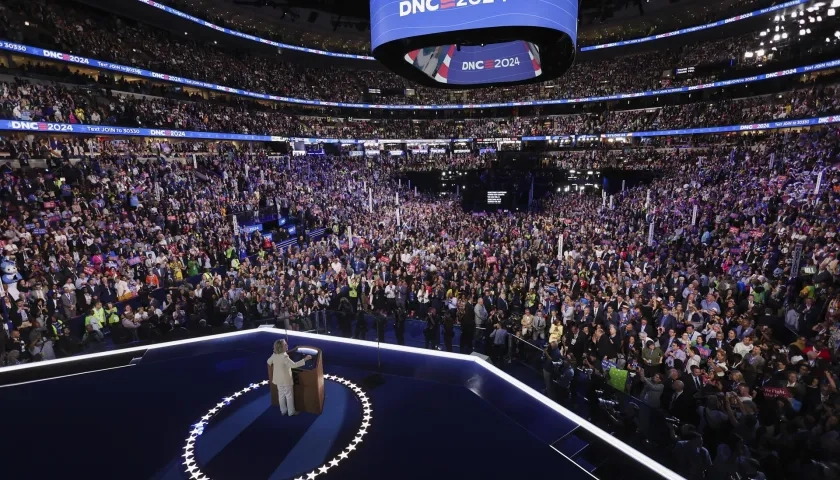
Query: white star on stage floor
(194,472)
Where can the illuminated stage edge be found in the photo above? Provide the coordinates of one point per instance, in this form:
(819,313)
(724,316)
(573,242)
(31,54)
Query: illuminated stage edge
(624,448)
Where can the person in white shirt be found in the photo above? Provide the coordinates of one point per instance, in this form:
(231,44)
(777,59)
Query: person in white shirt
(743,347)
(280,374)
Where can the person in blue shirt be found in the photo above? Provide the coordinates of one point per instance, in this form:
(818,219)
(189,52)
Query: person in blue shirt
(498,343)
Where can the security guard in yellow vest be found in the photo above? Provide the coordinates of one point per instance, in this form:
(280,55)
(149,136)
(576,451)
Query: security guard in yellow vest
(112,315)
(353,283)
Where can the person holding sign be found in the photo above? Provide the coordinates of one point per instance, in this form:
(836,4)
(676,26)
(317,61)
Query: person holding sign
(280,374)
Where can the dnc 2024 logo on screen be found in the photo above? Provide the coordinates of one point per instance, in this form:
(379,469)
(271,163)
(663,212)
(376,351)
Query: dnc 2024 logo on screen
(414,7)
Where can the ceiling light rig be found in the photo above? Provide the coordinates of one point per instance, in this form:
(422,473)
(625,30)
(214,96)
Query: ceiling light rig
(194,471)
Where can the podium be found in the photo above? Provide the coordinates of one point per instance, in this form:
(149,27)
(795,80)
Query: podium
(309,381)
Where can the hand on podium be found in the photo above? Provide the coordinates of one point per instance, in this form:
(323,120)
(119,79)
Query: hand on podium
(308,358)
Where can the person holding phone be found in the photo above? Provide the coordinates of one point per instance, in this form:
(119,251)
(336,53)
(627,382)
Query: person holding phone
(280,374)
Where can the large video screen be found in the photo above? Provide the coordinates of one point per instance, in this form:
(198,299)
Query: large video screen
(468,65)
(397,19)
(453,55)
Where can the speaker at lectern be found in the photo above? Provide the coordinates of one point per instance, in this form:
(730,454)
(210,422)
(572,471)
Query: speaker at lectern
(309,381)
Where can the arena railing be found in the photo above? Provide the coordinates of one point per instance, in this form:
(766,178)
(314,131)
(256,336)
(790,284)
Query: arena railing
(594,395)
(99,130)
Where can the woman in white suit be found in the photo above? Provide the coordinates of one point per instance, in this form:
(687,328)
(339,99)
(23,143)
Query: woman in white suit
(280,374)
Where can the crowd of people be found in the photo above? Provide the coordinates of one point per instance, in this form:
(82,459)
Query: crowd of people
(706,303)
(105,37)
(709,292)
(32,101)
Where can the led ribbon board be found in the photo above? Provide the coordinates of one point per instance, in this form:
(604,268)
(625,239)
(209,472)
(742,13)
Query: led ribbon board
(17,48)
(462,43)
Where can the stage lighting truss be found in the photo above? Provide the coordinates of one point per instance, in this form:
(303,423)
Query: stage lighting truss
(194,471)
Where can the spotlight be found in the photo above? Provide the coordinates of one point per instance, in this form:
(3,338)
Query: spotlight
(784,35)
(760,53)
(776,37)
(748,55)
(802,32)
(831,12)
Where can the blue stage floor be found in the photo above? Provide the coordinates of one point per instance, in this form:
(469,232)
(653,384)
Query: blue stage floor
(131,423)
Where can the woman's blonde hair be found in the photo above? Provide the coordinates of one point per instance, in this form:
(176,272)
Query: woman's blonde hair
(279,346)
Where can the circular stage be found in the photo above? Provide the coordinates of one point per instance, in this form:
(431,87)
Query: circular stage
(244,436)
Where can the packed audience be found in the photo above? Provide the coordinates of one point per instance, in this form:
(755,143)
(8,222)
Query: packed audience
(65,28)
(709,293)
(704,306)
(25,100)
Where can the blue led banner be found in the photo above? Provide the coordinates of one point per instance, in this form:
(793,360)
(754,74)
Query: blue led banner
(78,129)
(139,72)
(697,28)
(246,36)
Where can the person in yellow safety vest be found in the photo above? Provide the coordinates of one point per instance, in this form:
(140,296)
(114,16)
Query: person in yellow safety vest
(207,277)
(92,320)
(234,264)
(353,283)
(112,315)
(530,299)
(56,326)
(230,252)
(99,313)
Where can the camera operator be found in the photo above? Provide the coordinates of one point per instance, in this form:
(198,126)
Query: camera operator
(691,457)
(361,323)
(381,321)
(623,423)
(448,329)
(551,358)
(592,368)
(498,339)
(399,325)
(432,331)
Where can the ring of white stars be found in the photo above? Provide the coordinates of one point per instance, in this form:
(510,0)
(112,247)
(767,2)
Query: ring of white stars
(194,471)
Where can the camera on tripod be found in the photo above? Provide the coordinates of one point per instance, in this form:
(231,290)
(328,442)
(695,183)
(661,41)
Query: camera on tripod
(674,421)
(608,402)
